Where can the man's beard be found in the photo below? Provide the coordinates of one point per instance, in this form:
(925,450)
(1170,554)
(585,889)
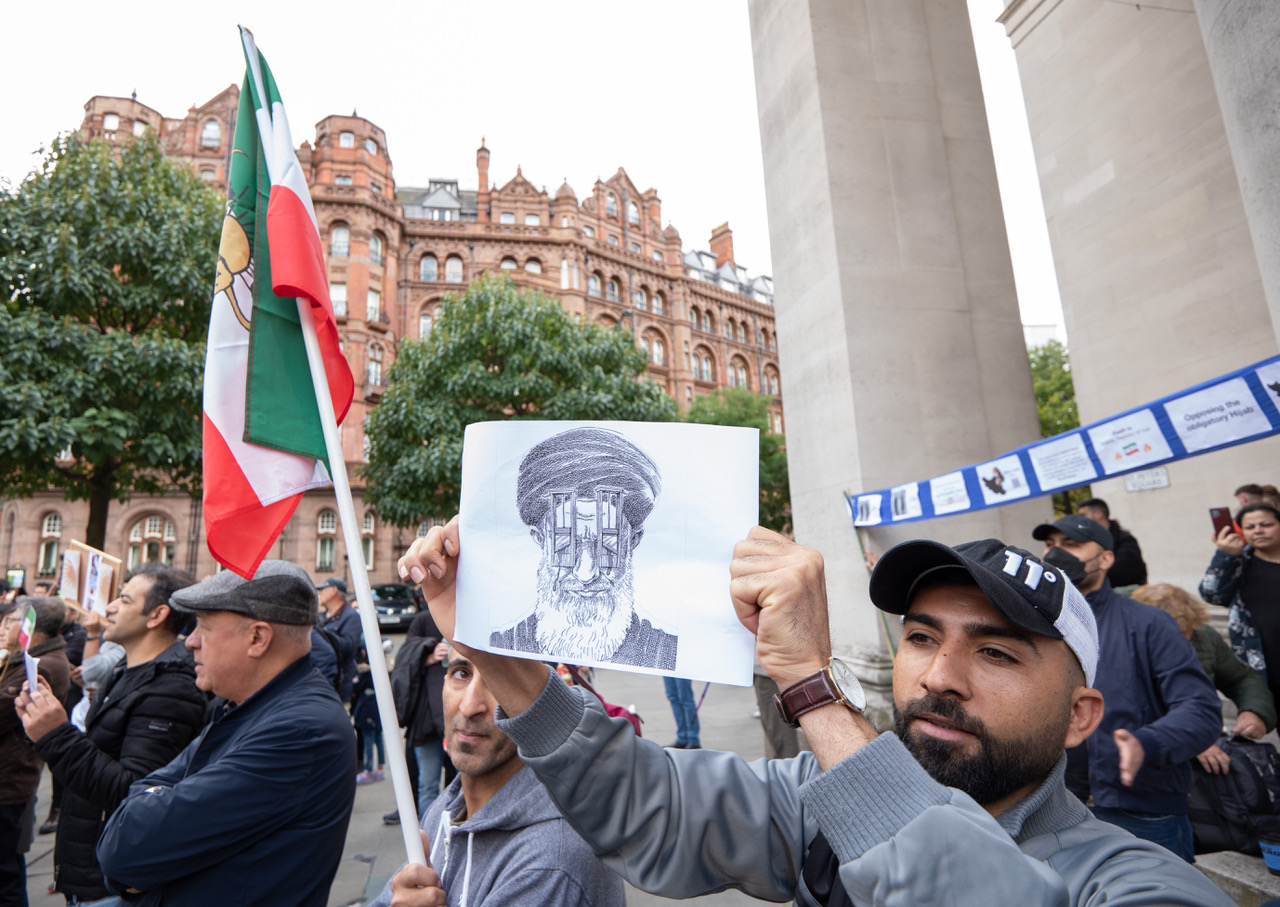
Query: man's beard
(997,769)
(574,624)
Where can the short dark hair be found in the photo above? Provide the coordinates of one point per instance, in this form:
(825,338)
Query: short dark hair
(1095,504)
(1251,488)
(1250,508)
(165,581)
(51,613)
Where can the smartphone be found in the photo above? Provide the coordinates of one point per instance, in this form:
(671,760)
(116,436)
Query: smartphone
(1221,517)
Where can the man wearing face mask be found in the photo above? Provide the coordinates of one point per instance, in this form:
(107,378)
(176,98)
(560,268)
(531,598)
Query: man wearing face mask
(1160,708)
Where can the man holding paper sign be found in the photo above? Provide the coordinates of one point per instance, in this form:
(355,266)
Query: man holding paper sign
(19,764)
(965,805)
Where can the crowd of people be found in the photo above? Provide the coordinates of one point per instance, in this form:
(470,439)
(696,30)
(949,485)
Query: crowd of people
(205,739)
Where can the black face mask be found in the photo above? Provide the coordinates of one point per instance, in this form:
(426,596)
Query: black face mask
(1070,565)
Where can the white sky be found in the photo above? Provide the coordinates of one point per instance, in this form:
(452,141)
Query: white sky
(569,88)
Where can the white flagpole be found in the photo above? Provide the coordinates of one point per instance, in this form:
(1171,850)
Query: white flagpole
(360,579)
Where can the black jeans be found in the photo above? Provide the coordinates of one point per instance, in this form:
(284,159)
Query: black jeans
(13,865)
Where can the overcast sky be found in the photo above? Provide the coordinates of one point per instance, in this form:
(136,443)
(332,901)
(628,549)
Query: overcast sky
(566,88)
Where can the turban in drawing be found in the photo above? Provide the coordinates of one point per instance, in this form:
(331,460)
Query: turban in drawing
(580,460)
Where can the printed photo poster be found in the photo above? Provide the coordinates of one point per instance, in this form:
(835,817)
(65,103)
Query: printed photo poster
(868,510)
(949,493)
(607,544)
(69,578)
(1062,463)
(97,586)
(904,502)
(98,576)
(1217,415)
(1003,480)
(1129,442)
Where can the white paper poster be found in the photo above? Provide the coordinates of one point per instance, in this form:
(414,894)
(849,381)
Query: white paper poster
(1129,442)
(69,581)
(1062,463)
(904,502)
(1217,415)
(948,493)
(1003,480)
(32,664)
(607,544)
(868,510)
(95,595)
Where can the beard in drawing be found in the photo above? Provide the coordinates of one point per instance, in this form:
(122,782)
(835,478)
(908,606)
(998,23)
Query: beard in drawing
(588,618)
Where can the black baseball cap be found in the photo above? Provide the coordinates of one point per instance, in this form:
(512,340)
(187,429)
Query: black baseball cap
(334,583)
(1078,527)
(1033,595)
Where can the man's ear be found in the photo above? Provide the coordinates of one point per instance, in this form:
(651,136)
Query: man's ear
(159,614)
(260,635)
(636,536)
(1086,714)
(536,534)
(1106,560)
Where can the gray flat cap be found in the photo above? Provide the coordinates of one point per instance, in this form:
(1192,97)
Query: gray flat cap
(279,593)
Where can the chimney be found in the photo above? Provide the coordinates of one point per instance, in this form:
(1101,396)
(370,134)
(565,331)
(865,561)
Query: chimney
(722,244)
(482,197)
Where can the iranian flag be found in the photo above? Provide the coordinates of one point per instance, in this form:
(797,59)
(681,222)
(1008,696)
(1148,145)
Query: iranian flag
(263,441)
(28,627)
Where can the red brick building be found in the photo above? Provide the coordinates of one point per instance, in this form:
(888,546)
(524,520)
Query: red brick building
(394,253)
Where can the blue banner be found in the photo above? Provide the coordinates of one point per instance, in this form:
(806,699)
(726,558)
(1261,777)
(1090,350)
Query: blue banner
(1231,409)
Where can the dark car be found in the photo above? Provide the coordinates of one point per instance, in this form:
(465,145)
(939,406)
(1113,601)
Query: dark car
(396,604)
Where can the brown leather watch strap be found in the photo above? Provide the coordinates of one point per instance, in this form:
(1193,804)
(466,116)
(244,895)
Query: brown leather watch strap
(813,692)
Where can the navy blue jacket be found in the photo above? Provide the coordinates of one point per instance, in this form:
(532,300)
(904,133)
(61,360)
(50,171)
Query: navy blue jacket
(347,625)
(1154,688)
(254,811)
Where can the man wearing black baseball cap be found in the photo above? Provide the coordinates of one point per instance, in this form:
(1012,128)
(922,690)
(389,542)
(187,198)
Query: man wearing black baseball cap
(342,619)
(965,805)
(256,809)
(1161,708)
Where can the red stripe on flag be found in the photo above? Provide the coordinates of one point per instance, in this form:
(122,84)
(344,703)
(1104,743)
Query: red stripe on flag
(238,529)
(297,269)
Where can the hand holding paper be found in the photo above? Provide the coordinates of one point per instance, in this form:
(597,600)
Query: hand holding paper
(432,563)
(39,710)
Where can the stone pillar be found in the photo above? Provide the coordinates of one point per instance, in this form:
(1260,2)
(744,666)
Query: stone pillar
(897,318)
(1241,38)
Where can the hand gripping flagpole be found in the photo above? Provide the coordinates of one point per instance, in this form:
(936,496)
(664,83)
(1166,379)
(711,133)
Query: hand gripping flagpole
(360,579)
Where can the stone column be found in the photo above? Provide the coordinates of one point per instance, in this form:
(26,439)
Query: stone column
(1241,38)
(897,318)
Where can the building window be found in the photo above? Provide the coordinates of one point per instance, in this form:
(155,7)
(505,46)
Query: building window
(633,215)
(374,368)
(635,247)
(742,332)
(706,321)
(366,549)
(730,328)
(777,423)
(775,386)
(506,217)
(428,524)
(50,533)
(533,266)
(642,300)
(377,250)
(688,394)
(613,240)
(424,325)
(326,529)
(509,264)
(453,269)
(211,135)
(151,540)
(610,205)
(593,285)
(659,304)
(532,220)
(339,240)
(743,381)
(373,307)
(110,122)
(371,146)
(658,352)
(657,256)
(346,140)
(588,232)
(52,526)
(695,317)
(338,296)
(428,269)
(207,174)
(327,523)
(139,127)
(342,181)
(613,291)
(375,185)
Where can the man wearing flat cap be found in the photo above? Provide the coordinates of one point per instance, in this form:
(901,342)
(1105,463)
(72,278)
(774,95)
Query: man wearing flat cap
(1161,708)
(964,805)
(585,494)
(255,810)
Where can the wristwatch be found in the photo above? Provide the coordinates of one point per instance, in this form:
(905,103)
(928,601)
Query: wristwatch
(834,683)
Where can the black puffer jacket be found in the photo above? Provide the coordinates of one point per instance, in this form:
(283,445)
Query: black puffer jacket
(140,720)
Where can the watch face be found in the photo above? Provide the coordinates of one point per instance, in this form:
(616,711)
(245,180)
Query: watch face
(847,681)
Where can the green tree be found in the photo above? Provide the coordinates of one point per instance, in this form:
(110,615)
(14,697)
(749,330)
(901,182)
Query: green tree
(739,406)
(106,272)
(1056,405)
(493,353)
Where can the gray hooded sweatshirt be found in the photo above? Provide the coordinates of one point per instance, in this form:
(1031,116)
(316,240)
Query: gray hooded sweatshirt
(516,851)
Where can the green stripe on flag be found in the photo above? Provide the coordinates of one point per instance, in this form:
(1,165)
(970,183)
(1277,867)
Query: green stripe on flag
(280,400)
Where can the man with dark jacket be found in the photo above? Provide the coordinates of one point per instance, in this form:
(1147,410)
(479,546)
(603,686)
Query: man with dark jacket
(417,682)
(19,763)
(1129,568)
(343,620)
(146,712)
(1161,710)
(255,810)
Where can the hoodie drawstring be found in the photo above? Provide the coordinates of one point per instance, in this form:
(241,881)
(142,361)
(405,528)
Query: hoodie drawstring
(442,835)
(466,875)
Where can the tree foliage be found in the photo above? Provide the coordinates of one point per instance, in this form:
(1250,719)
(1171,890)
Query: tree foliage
(106,267)
(739,406)
(1056,406)
(494,353)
